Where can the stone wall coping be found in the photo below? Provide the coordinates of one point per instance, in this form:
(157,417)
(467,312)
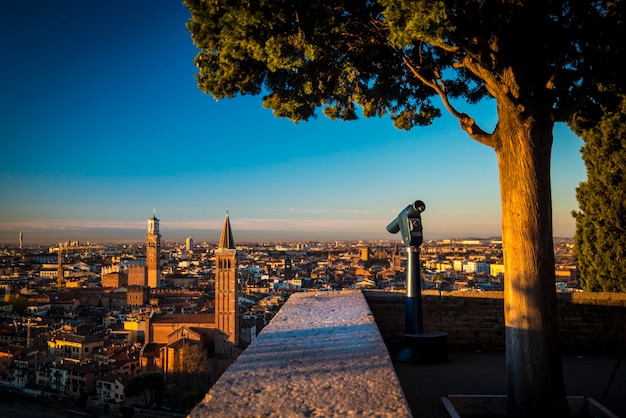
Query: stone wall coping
(322,355)
(574,297)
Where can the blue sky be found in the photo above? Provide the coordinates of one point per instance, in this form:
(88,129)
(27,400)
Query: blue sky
(101,122)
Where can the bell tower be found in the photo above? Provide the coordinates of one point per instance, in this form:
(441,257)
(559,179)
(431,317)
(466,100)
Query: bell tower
(226,293)
(153,252)
(396,260)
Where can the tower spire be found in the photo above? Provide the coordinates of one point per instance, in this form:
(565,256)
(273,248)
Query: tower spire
(226,239)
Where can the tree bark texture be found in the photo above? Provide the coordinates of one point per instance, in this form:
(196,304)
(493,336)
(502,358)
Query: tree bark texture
(533,361)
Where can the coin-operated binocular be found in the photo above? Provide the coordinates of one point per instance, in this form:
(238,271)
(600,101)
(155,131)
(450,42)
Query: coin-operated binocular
(419,347)
(409,221)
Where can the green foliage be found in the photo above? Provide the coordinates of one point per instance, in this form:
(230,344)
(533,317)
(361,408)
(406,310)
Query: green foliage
(190,382)
(177,398)
(171,395)
(305,55)
(415,20)
(126,411)
(150,385)
(600,240)
(19,303)
(390,57)
(191,372)
(438,278)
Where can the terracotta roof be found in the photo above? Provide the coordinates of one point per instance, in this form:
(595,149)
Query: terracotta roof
(151,349)
(76,338)
(208,332)
(183,318)
(11,349)
(111,378)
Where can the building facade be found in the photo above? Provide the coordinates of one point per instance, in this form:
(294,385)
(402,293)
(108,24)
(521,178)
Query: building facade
(137,275)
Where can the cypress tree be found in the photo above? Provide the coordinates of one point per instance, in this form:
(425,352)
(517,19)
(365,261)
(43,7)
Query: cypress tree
(600,239)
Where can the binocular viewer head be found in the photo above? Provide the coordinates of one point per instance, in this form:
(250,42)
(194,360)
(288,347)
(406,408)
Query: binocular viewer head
(409,221)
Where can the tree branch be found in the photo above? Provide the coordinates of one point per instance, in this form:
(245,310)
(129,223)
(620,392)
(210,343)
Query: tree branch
(563,113)
(468,124)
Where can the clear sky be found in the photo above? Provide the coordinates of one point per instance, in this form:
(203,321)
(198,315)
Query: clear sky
(101,122)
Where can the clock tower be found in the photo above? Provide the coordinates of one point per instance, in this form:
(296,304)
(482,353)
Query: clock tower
(153,252)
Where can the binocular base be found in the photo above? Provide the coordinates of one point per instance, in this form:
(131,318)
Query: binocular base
(426,347)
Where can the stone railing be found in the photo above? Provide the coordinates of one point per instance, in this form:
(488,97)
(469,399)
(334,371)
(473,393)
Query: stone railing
(321,355)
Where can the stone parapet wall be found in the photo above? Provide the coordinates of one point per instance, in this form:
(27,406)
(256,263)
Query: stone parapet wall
(320,356)
(590,323)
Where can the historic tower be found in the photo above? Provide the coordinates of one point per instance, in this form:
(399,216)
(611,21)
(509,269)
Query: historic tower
(226,294)
(396,259)
(153,252)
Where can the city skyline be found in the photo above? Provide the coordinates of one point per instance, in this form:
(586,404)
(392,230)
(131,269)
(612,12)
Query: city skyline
(101,121)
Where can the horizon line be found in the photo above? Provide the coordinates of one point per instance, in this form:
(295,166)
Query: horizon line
(116,236)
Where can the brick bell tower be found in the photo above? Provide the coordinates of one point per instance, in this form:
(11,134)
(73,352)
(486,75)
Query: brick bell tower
(153,252)
(226,293)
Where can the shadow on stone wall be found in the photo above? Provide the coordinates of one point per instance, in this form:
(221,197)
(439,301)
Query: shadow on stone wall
(590,323)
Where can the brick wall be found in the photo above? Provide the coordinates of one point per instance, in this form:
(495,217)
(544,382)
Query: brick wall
(590,323)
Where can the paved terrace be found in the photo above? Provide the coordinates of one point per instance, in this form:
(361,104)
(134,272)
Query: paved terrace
(592,332)
(321,355)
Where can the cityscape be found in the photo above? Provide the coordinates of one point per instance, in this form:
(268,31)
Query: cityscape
(83,324)
(323,121)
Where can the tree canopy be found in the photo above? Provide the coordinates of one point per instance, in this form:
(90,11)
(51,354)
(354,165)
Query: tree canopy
(600,240)
(541,61)
(150,385)
(392,57)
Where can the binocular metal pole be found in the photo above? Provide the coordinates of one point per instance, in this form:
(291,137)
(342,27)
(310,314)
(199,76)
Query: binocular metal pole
(413,321)
(419,346)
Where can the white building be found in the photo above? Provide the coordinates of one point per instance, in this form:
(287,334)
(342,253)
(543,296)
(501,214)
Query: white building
(111,388)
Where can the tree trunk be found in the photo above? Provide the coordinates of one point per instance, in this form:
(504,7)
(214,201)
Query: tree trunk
(533,361)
